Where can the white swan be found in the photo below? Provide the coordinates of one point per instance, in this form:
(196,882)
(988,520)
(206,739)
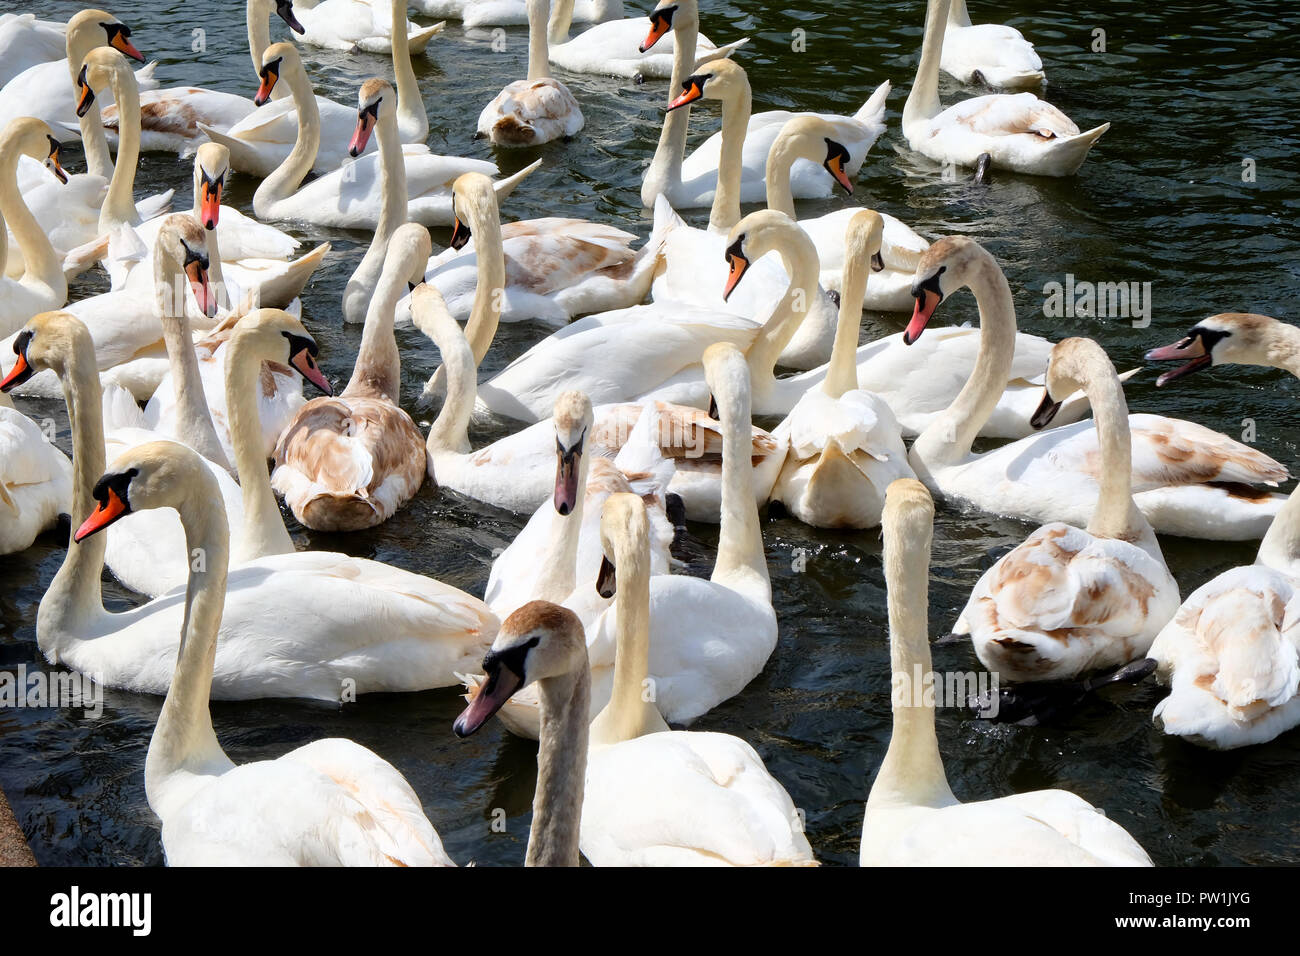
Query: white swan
(615,47)
(1018,131)
(1072,600)
(1054,476)
(332,802)
(555,269)
(325,646)
(536,110)
(912,817)
(352,197)
(989,53)
(26,41)
(812,138)
(845,444)
(691,181)
(509,13)
(42,285)
(351,461)
(365,25)
(35,480)
(1231,654)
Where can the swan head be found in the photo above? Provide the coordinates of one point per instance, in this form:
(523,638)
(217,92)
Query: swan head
(49,340)
(375,96)
(1241,338)
(185,243)
(472,195)
(284,10)
(624,540)
(863,238)
(156,474)
(33,137)
(273,335)
(277,59)
(537,642)
(808,136)
(943,269)
(211,166)
(758,234)
(102,67)
(411,244)
(668,15)
(720,80)
(573,419)
(1070,368)
(91,28)
(727,374)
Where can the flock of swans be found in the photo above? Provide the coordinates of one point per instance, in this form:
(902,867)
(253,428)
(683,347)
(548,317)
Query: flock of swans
(634,415)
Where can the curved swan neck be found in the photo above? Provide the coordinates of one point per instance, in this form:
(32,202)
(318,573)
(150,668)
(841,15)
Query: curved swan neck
(288,176)
(561,769)
(538,52)
(183,741)
(736,110)
(923,100)
(489,290)
(665,172)
(193,419)
(559,573)
(1116,515)
(776,176)
(99,161)
(41,263)
(264,531)
(378,369)
(1280,548)
(410,103)
(957,14)
(557,28)
(450,430)
(1282,348)
(842,370)
(119,205)
(949,437)
(912,772)
(740,539)
(799,256)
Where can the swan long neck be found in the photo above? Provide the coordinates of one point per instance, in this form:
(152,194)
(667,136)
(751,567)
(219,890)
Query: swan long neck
(665,172)
(119,205)
(183,741)
(923,101)
(776,176)
(264,531)
(958,15)
(949,437)
(450,430)
(557,28)
(1282,348)
(392,179)
(193,419)
(799,256)
(410,103)
(740,539)
(99,161)
(489,290)
(378,370)
(41,262)
(559,572)
(912,772)
(842,370)
(736,110)
(288,176)
(1280,548)
(561,768)
(539,54)
(1116,514)
(75,596)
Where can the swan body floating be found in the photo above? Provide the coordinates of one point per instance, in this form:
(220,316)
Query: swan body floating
(617,47)
(988,53)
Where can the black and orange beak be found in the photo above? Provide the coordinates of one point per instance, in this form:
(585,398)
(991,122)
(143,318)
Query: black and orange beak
(284,8)
(52,160)
(928,296)
(119,38)
(739,264)
(270,75)
(837,161)
(460,234)
(22,369)
(196,270)
(85,95)
(302,356)
(210,200)
(661,21)
(566,476)
(366,118)
(692,90)
(111,507)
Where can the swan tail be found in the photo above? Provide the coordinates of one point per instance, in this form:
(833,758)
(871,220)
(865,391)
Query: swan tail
(120,409)
(419,39)
(1074,150)
(504,187)
(242,155)
(278,291)
(721,53)
(873,110)
(650,257)
(151,207)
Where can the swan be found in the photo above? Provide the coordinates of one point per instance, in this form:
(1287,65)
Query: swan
(513,13)
(845,444)
(990,53)
(613,47)
(35,479)
(331,802)
(691,181)
(1018,131)
(554,269)
(536,110)
(351,461)
(42,285)
(912,817)
(326,647)
(351,25)
(708,638)
(652,796)
(1231,654)
(1072,600)
(1054,476)
(67,211)
(351,198)
(812,138)
(26,41)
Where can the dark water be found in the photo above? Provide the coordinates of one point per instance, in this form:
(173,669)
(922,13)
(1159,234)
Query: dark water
(1191,88)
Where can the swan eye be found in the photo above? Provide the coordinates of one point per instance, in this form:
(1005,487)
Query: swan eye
(511,658)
